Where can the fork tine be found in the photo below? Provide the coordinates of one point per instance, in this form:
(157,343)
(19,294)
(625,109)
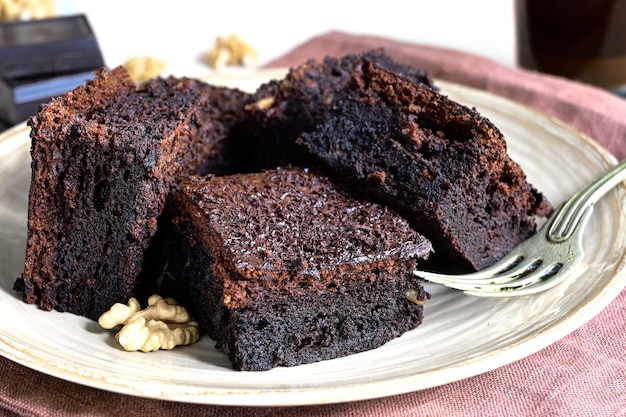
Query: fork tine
(499,273)
(514,286)
(489,272)
(539,286)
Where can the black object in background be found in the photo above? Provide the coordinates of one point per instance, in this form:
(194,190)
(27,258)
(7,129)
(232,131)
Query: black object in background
(41,59)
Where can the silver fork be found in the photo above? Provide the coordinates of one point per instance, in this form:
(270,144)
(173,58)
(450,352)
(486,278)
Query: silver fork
(543,260)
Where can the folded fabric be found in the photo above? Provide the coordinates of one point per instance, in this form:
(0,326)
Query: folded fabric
(584,374)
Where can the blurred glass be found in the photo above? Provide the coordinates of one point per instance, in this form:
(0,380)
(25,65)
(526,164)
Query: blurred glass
(584,40)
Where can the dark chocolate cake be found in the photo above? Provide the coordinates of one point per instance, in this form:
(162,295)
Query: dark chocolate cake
(285,108)
(283,268)
(105,158)
(440,164)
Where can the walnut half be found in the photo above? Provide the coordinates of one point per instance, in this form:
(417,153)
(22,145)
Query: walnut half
(11,10)
(141,69)
(162,325)
(231,51)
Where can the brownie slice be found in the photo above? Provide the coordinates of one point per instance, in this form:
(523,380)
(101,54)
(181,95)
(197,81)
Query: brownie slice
(283,268)
(105,158)
(285,108)
(440,164)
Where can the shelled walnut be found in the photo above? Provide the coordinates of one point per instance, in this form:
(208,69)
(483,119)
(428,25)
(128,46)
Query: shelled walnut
(141,69)
(162,325)
(11,10)
(231,51)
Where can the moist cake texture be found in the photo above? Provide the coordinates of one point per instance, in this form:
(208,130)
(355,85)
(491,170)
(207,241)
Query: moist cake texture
(285,108)
(105,158)
(440,164)
(283,268)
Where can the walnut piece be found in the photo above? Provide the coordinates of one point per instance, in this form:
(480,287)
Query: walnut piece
(141,69)
(231,51)
(11,10)
(162,325)
(262,104)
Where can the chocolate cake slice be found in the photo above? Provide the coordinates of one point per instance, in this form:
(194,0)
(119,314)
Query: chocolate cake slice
(105,158)
(440,164)
(287,107)
(283,268)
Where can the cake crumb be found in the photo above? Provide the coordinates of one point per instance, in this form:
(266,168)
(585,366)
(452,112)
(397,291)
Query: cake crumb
(142,69)
(12,10)
(231,51)
(376,179)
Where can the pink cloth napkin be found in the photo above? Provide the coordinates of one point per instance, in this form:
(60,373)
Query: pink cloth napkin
(584,374)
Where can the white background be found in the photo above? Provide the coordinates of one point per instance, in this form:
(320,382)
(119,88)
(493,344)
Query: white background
(180,32)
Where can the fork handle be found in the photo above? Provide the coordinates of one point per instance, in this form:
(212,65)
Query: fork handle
(569,214)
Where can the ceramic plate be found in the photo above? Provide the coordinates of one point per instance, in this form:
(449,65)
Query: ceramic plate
(461,336)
